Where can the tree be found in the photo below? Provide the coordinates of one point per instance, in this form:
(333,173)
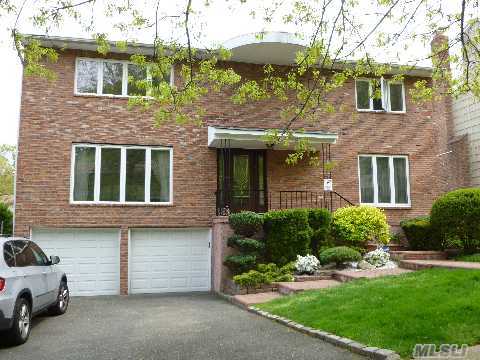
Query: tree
(335,31)
(7,169)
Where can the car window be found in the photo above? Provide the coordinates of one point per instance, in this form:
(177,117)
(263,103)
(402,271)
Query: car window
(24,255)
(40,256)
(8,254)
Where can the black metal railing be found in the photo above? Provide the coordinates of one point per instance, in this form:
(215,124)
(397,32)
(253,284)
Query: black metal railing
(232,201)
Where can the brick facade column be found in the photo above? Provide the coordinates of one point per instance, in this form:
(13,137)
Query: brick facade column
(124,235)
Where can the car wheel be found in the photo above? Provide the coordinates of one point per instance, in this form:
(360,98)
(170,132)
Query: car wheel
(22,319)
(63,298)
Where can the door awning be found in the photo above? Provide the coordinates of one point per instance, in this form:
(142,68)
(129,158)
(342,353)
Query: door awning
(241,138)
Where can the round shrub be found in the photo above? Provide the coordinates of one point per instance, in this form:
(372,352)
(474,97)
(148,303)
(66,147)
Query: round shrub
(265,274)
(455,219)
(339,255)
(320,221)
(246,223)
(6,216)
(355,226)
(419,234)
(287,234)
(377,258)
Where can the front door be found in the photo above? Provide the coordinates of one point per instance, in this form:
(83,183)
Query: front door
(241,179)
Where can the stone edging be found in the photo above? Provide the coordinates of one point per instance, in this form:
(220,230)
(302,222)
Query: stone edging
(368,351)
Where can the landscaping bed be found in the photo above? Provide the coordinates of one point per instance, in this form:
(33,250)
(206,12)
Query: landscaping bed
(393,312)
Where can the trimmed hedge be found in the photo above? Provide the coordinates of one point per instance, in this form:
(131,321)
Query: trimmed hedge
(455,219)
(287,234)
(320,221)
(246,223)
(240,263)
(355,226)
(419,234)
(6,216)
(339,255)
(265,274)
(245,245)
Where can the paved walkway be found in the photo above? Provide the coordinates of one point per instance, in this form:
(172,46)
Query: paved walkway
(449,264)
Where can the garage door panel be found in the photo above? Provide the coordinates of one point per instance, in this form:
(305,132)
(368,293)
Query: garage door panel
(89,257)
(169,260)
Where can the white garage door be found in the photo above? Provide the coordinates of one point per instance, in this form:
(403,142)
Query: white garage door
(169,260)
(89,257)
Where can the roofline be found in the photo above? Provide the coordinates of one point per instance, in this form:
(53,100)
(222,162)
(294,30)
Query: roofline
(60,42)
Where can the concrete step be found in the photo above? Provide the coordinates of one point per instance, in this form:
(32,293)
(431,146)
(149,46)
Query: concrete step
(251,299)
(447,264)
(287,288)
(349,275)
(418,255)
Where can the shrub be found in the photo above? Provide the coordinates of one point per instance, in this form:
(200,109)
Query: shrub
(468,258)
(287,234)
(355,226)
(419,234)
(455,219)
(265,274)
(6,216)
(240,263)
(377,257)
(245,245)
(320,221)
(246,223)
(339,255)
(306,264)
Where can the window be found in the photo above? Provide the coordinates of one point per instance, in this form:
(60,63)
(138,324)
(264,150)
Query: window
(113,78)
(24,255)
(384,180)
(40,257)
(380,95)
(121,174)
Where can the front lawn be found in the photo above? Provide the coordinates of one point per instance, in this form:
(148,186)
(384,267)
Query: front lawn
(438,306)
(468,258)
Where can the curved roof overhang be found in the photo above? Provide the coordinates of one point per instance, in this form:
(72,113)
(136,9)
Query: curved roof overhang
(242,138)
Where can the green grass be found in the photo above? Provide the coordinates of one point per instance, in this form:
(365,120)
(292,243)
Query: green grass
(435,306)
(469,258)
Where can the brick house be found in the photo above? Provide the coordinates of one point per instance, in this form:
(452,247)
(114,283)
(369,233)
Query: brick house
(131,208)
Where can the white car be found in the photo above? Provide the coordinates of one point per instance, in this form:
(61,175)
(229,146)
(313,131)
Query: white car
(30,283)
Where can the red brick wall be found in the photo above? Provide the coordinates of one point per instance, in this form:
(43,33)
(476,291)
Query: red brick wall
(52,118)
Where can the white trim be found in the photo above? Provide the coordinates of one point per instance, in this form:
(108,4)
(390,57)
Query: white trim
(129,259)
(392,203)
(385,90)
(100,63)
(123,160)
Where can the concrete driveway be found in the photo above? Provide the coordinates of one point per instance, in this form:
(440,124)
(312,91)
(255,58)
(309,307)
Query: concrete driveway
(191,326)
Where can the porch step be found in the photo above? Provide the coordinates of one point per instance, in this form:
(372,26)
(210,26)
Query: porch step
(418,255)
(287,288)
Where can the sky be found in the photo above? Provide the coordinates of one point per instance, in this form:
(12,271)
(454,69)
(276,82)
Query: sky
(219,24)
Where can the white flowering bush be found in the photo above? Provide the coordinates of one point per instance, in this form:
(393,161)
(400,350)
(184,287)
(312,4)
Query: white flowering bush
(306,264)
(377,258)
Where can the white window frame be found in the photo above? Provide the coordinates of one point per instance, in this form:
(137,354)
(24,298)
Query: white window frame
(392,204)
(385,89)
(99,63)
(123,171)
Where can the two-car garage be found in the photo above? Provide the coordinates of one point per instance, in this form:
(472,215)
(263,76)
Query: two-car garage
(160,260)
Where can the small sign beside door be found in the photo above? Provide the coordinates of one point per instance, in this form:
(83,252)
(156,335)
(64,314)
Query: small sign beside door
(327,185)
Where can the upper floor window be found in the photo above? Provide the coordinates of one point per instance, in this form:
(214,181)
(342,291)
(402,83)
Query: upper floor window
(380,95)
(384,180)
(112,77)
(121,174)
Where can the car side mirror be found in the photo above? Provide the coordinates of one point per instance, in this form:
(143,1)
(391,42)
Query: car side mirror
(54,260)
